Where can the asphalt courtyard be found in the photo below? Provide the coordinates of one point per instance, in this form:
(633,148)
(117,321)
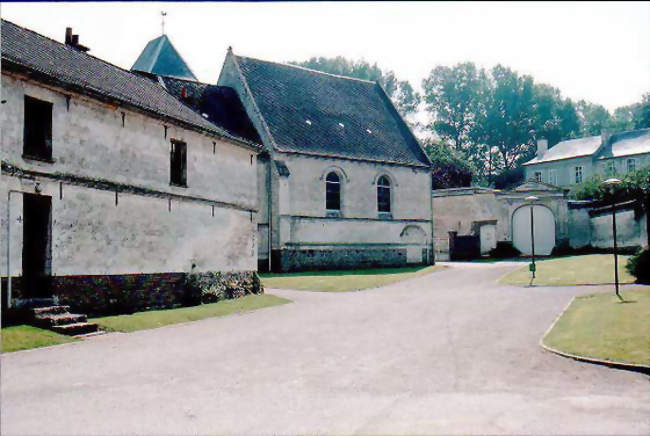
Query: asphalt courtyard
(447,353)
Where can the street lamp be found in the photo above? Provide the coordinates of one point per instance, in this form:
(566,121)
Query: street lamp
(532,199)
(612,183)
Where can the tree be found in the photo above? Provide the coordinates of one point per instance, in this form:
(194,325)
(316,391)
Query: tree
(402,94)
(449,169)
(454,100)
(508,123)
(593,118)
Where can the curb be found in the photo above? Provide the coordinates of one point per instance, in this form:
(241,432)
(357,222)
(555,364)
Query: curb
(637,367)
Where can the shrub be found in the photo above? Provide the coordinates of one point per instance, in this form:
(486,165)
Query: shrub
(210,287)
(639,266)
(504,249)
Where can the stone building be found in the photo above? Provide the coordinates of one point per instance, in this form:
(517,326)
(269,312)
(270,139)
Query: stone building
(574,161)
(484,217)
(115,189)
(342,181)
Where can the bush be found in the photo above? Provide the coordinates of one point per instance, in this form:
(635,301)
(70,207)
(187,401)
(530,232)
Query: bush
(639,266)
(210,287)
(504,249)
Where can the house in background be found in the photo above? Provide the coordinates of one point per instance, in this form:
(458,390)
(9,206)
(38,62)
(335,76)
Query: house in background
(117,189)
(343,182)
(574,161)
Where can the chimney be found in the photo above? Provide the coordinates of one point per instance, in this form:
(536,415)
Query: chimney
(542,146)
(605,135)
(73,40)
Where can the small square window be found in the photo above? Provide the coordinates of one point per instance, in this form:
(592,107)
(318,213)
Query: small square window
(178,163)
(37,133)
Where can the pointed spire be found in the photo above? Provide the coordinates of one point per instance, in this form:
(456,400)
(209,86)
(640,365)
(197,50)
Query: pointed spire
(161,58)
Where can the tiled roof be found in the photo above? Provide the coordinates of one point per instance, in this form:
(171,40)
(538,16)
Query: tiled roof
(218,104)
(626,143)
(86,74)
(160,57)
(568,149)
(317,113)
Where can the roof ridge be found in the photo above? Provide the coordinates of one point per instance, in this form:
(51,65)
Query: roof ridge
(310,70)
(71,49)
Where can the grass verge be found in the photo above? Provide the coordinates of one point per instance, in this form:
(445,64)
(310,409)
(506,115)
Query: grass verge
(24,337)
(344,280)
(602,327)
(158,318)
(591,269)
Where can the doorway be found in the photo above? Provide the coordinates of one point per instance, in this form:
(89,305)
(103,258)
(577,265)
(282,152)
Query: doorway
(37,245)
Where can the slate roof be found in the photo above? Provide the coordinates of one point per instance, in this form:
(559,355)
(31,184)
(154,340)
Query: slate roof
(52,61)
(626,143)
(569,149)
(161,58)
(220,104)
(317,113)
(619,144)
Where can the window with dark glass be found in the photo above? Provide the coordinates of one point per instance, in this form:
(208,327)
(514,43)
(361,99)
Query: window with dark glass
(333,192)
(383,194)
(178,163)
(37,134)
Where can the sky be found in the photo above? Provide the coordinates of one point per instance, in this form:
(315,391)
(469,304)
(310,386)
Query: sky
(599,52)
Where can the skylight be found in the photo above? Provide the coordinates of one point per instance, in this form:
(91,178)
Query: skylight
(308,122)
(341,125)
(369,131)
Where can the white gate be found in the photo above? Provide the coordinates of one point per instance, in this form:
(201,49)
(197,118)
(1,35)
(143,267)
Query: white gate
(544,230)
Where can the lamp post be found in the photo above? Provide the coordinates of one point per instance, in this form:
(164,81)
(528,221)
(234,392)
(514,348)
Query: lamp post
(612,183)
(532,199)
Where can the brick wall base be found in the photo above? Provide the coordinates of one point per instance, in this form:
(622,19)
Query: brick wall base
(97,295)
(287,260)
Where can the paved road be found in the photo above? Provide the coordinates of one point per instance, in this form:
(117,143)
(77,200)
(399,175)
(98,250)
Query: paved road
(448,353)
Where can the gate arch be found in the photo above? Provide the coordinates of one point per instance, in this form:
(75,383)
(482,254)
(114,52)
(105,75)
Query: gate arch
(544,221)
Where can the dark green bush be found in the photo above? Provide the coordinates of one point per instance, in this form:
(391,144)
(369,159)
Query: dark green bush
(639,266)
(503,250)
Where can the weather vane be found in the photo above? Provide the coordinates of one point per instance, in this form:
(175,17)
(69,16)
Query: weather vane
(163,14)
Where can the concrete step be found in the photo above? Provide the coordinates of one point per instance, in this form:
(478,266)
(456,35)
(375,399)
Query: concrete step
(51,319)
(79,328)
(50,309)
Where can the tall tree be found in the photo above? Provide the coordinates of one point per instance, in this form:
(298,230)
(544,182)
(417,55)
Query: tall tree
(405,98)
(509,121)
(454,99)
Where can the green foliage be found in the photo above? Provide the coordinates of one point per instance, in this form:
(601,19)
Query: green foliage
(405,98)
(634,186)
(449,170)
(508,178)
(639,266)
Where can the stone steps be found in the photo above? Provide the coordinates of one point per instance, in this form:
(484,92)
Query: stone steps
(58,319)
(78,328)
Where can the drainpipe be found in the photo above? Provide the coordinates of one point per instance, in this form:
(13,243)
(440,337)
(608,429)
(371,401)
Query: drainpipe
(429,190)
(11,191)
(269,217)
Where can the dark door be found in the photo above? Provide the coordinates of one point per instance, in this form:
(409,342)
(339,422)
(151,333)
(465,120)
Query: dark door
(37,231)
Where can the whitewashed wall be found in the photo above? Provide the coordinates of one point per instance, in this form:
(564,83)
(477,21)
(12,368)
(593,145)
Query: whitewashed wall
(90,234)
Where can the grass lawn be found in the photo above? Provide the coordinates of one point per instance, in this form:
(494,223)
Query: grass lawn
(601,326)
(344,280)
(591,269)
(24,337)
(158,318)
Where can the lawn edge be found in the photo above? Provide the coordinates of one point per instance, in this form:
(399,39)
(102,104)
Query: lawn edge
(637,367)
(289,301)
(442,267)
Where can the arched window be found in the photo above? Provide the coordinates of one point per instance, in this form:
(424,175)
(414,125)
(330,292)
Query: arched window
(383,194)
(333,192)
